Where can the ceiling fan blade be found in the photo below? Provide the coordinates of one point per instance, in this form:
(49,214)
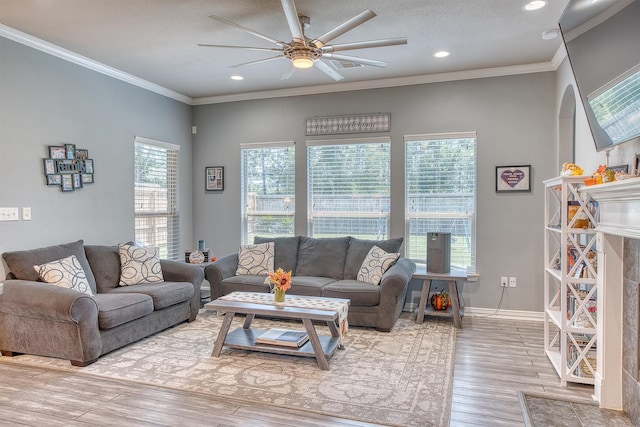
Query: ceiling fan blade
(268,49)
(293,21)
(248,30)
(356,60)
(344,27)
(325,68)
(259,61)
(288,74)
(364,45)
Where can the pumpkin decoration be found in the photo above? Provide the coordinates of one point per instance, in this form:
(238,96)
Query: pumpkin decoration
(440,301)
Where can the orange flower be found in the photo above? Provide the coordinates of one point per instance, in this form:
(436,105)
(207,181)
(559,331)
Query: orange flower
(280,279)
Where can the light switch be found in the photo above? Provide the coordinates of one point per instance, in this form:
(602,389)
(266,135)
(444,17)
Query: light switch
(9,214)
(26,214)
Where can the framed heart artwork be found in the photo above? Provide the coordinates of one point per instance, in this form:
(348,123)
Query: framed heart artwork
(513,178)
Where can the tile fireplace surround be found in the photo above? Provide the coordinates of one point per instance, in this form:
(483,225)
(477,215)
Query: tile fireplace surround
(617,380)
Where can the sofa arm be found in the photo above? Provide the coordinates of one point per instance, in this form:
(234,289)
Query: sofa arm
(42,319)
(216,272)
(175,271)
(396,278)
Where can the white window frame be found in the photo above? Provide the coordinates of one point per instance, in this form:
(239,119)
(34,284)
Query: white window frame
(449,216)
(168,240)
(382,216)
(282,208)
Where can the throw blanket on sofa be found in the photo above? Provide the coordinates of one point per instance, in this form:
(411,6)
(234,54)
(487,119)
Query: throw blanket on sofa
(297,301)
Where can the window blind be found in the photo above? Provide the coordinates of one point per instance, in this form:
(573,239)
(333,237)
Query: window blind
(267,190)
(156,196)
(348,186)
(440,195)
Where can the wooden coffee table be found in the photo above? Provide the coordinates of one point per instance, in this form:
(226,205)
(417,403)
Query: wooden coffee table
(244,338)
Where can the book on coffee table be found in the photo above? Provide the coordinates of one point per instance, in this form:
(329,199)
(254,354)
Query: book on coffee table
(284,337)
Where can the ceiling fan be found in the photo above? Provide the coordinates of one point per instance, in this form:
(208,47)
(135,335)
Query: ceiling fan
(305,52)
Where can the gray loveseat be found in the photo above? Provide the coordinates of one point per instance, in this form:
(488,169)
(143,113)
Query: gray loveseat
(326,267)
(47,320)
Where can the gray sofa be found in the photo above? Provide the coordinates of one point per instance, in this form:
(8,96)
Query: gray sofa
(326,267)
(47,320)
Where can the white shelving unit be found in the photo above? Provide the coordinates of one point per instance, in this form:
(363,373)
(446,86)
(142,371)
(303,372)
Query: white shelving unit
(570,280)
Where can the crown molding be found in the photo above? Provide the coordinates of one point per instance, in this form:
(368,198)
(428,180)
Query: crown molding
(67,55)
(381,83)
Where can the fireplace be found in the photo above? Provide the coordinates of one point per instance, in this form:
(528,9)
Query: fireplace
(617,380)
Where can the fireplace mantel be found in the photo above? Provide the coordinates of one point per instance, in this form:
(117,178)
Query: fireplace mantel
(619,206)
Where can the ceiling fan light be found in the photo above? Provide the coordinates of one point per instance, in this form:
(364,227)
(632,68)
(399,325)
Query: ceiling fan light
(302,62)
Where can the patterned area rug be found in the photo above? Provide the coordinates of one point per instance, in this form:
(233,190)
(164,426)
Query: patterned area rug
(400,378)
(543,410)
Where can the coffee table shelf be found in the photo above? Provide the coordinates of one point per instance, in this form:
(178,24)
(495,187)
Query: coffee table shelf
(245,339)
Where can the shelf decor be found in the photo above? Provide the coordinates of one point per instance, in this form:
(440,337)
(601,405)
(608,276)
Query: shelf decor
(513,178)
(68,167)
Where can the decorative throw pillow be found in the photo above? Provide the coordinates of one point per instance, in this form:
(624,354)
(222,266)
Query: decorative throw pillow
(66,273)
(256,259)
(139,265)
(375,264)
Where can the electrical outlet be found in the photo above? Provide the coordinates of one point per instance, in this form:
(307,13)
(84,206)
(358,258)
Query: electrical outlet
(26,214)
(512,282)
(9,214)
(504,281)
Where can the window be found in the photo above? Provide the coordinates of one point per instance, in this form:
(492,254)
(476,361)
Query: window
(440,195)
(348,184)
(267,190)
(156,196)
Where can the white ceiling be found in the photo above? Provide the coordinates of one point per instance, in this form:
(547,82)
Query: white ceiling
(156,40)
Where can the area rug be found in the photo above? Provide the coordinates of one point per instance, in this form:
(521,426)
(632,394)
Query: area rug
(401,378)
(544,410)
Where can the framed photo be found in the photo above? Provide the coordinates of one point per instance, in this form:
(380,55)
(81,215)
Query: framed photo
(66,166)
(82,154)
(54,179)
(67,182)
(87,178)
(49,166)
(57,152)
(77,180)
(620,168)
(70,150)
(214,178)
(88,166)
(513,178)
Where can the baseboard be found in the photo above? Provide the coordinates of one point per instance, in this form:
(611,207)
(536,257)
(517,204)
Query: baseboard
(503,314)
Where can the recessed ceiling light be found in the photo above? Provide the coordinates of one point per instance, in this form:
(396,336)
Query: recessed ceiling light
(237,78)
(441,54)
(550,34)
(535,5)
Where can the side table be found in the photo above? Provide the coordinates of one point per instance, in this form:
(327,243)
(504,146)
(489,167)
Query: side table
(451,278)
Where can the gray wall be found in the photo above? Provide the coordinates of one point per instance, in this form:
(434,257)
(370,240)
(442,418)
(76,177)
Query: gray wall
(515,123)
(47,101)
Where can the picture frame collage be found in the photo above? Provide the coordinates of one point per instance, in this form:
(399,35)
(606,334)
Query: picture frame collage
(68,167)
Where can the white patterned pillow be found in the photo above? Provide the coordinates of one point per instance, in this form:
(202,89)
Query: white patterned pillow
(66,273)
(139,265)
(256,259)
(375,264)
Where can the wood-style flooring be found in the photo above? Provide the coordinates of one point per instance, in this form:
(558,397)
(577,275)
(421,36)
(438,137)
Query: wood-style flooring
(494,359)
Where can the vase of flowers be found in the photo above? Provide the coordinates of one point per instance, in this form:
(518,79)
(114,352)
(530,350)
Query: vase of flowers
(280,282)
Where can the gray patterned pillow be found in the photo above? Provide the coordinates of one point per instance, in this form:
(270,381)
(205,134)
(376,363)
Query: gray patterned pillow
(139,265)
(66,273)
(256,259)
(375,264)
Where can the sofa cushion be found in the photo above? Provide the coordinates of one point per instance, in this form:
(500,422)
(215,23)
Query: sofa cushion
(139,265)
(105,264)
(256,259)
(358,250)
(286,251)
(309,285)
(21,263)
(163,294)
(322,257)
(243,283)
(117,309)
(360,293)
(66,273)
(375,265)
